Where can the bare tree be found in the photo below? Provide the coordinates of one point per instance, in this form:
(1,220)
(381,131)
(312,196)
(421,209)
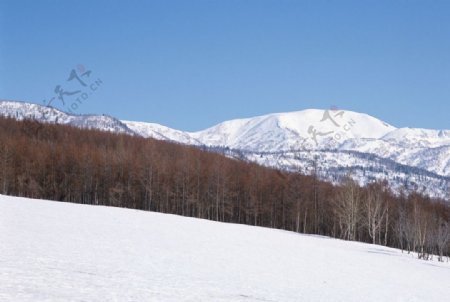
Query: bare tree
(347,208)
(400,226)
(441,236)
(422,228)
(6,166)
(375,210)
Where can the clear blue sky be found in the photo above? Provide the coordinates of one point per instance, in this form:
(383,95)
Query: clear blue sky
(190,64)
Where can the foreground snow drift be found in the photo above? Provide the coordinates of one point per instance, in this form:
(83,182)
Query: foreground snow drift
(52,251)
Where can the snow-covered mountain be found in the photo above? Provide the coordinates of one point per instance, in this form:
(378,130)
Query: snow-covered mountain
(56,251)
(161,132)
(22,110)
(294,130)
(333,143)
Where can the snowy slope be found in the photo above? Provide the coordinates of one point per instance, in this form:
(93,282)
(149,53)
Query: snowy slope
(53,251)
(161,132)
(285,131)
(278,131)
(22,110)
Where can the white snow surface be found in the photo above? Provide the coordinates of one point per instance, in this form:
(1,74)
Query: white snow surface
(284,131)
(275,132)
(52,251)
(161,132)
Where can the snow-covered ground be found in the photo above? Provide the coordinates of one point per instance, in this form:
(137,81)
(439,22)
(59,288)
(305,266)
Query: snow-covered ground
(51,251)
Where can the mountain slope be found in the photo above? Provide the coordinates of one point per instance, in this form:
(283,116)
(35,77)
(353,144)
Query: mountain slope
(339,141)
(161,132)
(320,130)
(53,251)
(22,110)
(294,130)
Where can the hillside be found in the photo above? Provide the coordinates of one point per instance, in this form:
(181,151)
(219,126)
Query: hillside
(338,142)
(55,251)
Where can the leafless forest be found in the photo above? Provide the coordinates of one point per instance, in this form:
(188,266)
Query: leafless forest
(92,167)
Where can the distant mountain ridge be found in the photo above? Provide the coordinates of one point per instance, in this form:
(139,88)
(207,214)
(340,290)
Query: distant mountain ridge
(23,110)
(335,142)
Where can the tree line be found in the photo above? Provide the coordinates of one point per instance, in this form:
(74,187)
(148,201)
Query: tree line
(64,163)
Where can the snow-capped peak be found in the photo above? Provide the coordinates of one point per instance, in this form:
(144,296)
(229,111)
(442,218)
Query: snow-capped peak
(308,129)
